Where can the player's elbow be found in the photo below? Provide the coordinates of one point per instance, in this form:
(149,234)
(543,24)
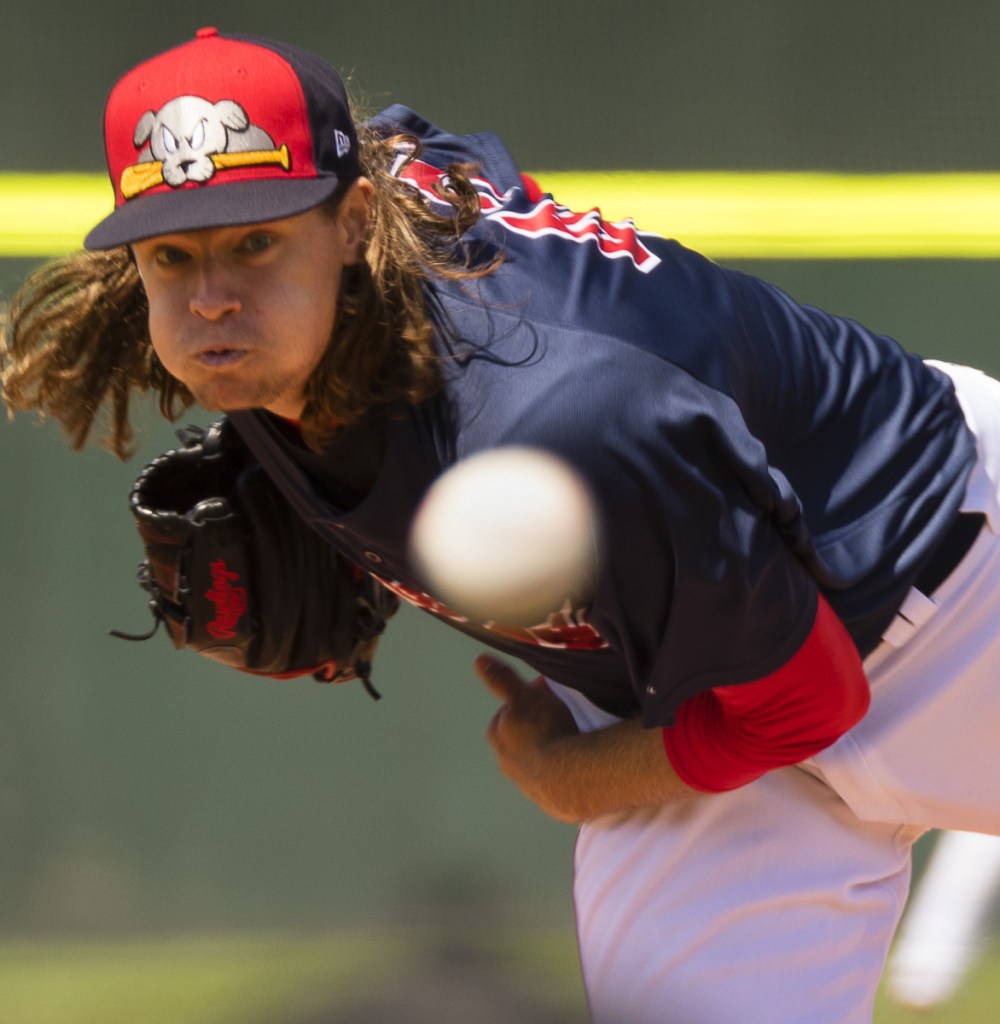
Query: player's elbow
(728,736)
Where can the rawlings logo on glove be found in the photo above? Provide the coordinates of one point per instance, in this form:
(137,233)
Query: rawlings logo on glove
(230,601)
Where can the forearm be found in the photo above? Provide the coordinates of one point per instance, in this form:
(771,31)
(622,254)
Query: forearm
(589,774)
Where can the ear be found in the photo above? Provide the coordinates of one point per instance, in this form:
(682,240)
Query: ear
(143,128)
(353,215)
(231,115)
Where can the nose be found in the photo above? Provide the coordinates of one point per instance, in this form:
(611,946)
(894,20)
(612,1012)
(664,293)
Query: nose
(214,297)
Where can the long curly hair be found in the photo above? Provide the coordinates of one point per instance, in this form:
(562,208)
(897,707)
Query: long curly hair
(75,339)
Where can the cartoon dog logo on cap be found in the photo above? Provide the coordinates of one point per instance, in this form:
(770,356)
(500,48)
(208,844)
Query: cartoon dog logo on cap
(189,138)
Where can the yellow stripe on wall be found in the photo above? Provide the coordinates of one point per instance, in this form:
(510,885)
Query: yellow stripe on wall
(725,215)
(801,215)
(44,215)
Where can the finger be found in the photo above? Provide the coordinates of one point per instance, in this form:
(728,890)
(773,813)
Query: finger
(493,729)
(500,679)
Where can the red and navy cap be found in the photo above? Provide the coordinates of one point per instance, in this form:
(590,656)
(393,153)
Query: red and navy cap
(223,130)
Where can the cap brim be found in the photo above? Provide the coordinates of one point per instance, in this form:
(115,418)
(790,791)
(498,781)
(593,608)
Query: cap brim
(210,206)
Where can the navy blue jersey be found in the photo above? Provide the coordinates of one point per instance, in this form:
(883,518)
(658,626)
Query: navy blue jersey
(746,452)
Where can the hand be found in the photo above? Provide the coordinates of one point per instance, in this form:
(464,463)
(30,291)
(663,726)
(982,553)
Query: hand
(571,775)
(527,734)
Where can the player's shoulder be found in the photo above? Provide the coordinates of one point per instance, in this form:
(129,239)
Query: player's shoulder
(440,147)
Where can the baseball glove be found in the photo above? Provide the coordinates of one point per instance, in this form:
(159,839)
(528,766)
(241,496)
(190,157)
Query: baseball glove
(234,573)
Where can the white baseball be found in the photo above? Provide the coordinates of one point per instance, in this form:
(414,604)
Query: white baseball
(507,535)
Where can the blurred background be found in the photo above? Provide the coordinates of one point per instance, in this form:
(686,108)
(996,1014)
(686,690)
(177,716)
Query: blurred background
(169,830)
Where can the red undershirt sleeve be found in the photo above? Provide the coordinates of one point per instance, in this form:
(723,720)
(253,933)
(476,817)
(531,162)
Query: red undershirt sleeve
(728,736)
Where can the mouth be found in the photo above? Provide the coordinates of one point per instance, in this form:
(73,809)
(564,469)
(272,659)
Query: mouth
(220,356)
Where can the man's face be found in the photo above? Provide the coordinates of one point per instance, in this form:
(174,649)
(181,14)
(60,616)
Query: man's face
(243,315)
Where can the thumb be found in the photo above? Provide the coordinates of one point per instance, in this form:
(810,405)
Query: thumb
(500,679)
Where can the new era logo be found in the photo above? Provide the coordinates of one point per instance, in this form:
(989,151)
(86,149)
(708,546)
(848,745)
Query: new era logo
(343,143)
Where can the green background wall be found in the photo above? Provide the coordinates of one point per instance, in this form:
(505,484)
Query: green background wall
(144,788)
(856,85)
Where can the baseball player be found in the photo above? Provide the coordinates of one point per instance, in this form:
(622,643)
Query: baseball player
(785,671)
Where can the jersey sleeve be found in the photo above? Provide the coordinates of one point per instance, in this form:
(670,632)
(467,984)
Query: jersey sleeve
(730,604)
(700,586)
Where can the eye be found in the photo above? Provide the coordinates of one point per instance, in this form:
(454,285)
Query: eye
(197,139)
(170,256)
(169,141)
(257,242)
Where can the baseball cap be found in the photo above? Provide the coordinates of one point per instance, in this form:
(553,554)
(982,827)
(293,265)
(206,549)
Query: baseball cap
(223,130)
